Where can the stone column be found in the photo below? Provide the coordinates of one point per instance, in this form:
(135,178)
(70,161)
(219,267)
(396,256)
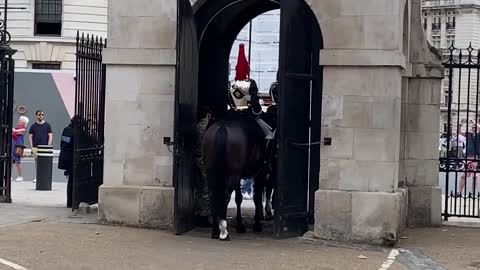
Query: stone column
(420,135)
(140,60)
(359,198)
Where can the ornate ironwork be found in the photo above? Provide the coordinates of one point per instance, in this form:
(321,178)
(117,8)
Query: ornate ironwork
(7,76)
(5,36)
(89,125)
(459,164)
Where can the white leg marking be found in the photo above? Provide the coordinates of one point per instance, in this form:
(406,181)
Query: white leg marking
(12,265)
(390,259)
(223,229)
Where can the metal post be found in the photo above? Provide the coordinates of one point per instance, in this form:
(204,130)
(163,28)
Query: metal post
(4,36)
(44,167)
(249,43)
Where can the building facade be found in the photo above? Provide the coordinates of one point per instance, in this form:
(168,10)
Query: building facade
(261,38)
(44,32)
(455,23)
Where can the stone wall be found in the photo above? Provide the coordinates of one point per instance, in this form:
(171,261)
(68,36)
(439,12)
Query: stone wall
(140,60)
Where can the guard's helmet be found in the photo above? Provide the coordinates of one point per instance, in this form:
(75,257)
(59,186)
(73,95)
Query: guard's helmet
(239,93)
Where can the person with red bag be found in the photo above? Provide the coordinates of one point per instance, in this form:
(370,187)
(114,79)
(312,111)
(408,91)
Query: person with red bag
(18,145)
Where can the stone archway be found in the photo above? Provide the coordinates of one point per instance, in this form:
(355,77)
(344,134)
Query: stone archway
(364,63)
(217,25)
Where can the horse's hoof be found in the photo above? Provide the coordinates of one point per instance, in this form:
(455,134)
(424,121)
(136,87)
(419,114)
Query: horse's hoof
(257,227)
(226,239)
(241,229)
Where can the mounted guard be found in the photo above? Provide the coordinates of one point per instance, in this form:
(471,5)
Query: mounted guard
(233,148)
(240,94)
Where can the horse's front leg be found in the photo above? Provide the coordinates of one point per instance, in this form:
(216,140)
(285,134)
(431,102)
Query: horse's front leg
(238,201)
(268,196)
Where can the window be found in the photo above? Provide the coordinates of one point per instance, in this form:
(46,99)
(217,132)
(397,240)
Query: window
(436,24)
(425,24)
(436,41)
(450,41)
(48,17)
(46,65)
(450,23)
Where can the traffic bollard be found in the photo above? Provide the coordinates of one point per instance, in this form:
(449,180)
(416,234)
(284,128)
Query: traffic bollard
(44,167)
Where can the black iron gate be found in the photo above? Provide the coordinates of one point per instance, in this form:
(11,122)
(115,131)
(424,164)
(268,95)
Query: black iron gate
(299,111)
(89,126)
(460,140)
(7,68)
(185,117)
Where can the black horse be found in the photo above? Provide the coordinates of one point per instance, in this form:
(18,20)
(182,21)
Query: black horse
(234,148)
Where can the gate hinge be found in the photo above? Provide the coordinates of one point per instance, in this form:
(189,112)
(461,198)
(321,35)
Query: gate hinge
(168,141)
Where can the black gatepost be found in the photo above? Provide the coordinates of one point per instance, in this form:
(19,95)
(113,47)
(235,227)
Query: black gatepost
(89,126)
(7,69)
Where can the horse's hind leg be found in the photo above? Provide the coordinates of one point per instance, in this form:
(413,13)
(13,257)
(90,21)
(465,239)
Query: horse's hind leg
(222,214)
(257,199)
(268,196)
(238,201)
(214,207)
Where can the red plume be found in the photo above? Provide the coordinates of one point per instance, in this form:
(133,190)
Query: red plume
(242,68)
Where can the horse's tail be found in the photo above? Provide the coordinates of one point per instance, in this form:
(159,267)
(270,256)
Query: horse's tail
(218,170)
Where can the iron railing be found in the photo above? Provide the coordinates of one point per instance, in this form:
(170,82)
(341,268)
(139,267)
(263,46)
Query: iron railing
(89,125)
(7,74)
(460,153)
(7,68)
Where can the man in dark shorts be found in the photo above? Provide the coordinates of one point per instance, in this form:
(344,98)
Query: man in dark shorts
(40,133)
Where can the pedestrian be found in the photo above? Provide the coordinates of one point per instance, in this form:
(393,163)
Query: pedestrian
(40,133)
(65,159)
(202,196)
(18,145)
(471,151)
(246,186)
